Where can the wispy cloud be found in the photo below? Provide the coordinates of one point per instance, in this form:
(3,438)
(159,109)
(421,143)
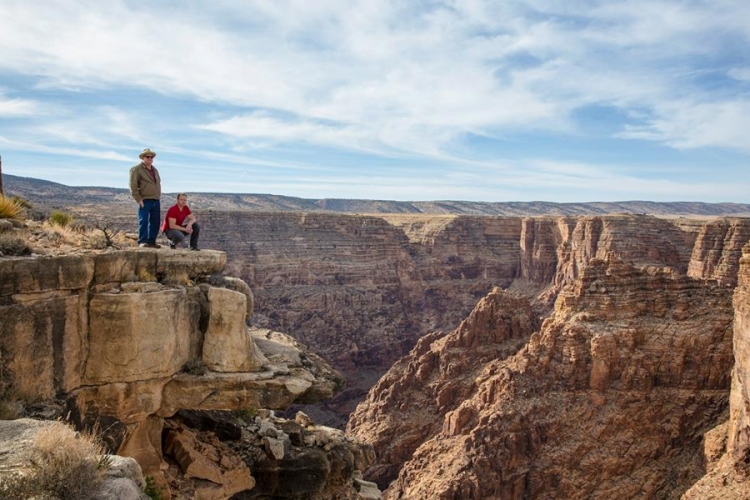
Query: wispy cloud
(358,82)
(15,107)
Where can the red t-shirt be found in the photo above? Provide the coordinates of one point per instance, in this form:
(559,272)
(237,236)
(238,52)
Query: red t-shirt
(174,212)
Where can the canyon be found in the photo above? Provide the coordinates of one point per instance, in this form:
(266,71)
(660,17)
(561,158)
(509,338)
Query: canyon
(574,356)
(361,290)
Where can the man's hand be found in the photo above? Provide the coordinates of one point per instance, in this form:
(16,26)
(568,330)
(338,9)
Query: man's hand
(140,203)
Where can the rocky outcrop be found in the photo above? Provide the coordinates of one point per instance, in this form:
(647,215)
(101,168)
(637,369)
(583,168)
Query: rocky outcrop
(362,289)
(129,338)
(718,249)
(609,398)
(407,406)
(727,448)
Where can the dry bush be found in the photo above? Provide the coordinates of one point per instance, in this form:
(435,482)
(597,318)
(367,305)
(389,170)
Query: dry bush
(10,208)
(61,465)
(80,235)
(11,244)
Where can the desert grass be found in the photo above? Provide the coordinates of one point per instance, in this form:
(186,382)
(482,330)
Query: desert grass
(62,219)
(80,236)
(61,464)
(11,208)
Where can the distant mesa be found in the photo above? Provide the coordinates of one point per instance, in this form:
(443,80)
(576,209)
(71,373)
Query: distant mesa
(71,196)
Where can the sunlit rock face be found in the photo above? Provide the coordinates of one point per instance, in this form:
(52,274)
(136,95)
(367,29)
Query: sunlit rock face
(611,395)
(134,336)
(361,290)
(727,447)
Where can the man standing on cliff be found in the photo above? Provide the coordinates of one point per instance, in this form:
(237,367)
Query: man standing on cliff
(145,187)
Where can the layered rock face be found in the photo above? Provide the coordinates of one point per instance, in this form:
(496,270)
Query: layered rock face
(610,398)
(361,290)
(129,338)
(727,447)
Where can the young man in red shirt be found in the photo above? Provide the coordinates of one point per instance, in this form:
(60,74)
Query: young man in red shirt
(180,222)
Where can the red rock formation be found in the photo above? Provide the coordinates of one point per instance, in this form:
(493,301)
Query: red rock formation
(361,290)
(609,399)
(727,448)
(718,250)
(408,404)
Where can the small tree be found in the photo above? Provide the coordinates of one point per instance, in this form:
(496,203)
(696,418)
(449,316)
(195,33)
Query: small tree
(108,232)
(1,175)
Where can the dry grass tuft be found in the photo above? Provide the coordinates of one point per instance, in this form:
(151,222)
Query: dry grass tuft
(62,464)
(11,208)
(51,235)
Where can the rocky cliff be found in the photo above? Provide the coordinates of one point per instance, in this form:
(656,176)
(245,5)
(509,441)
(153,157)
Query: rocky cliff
(727,447)
(610,398)
(133,341)
(361,290)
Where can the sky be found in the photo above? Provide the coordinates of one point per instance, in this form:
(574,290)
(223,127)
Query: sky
(501,100)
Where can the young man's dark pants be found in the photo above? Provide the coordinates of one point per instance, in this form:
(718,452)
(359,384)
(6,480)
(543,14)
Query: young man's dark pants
(176,236)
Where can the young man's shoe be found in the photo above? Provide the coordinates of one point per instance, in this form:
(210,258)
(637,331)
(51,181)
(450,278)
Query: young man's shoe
(172,245)
(196,249)
(143,245)
(153,245)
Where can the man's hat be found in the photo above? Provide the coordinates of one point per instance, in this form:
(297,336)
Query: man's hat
(146,152)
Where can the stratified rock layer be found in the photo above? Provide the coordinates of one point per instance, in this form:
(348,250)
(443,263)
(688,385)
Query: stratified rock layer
(609,399)
(362,289)
(727,447)
(129,339)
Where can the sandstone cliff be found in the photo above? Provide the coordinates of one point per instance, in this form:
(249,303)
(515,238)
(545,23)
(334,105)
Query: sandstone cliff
(361,290)
(609,399)
(128,339)
(727,447)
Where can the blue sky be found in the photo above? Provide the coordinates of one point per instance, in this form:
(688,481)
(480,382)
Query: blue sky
(554,100)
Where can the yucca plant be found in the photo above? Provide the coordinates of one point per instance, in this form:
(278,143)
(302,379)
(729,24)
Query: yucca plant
(10,208)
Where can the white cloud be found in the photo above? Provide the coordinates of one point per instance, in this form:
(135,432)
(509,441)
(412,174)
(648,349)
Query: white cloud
(396,79)
(688,125)
(17,107)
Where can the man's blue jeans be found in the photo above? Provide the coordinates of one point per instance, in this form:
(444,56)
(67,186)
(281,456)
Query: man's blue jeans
(149,217)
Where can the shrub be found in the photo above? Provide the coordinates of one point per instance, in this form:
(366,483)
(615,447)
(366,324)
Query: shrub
(246,414)
(10,244)
(10,208)
(152,490)
(59,218)
(62,464)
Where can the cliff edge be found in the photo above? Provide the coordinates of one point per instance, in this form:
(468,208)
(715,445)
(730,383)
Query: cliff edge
(152,348)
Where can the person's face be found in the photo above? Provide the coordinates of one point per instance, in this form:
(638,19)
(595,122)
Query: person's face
(182,201)
(148,160)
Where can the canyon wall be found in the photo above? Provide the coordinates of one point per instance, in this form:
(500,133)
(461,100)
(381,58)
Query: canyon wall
(133,343)
(609,398)
(727,447)
(362,289)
